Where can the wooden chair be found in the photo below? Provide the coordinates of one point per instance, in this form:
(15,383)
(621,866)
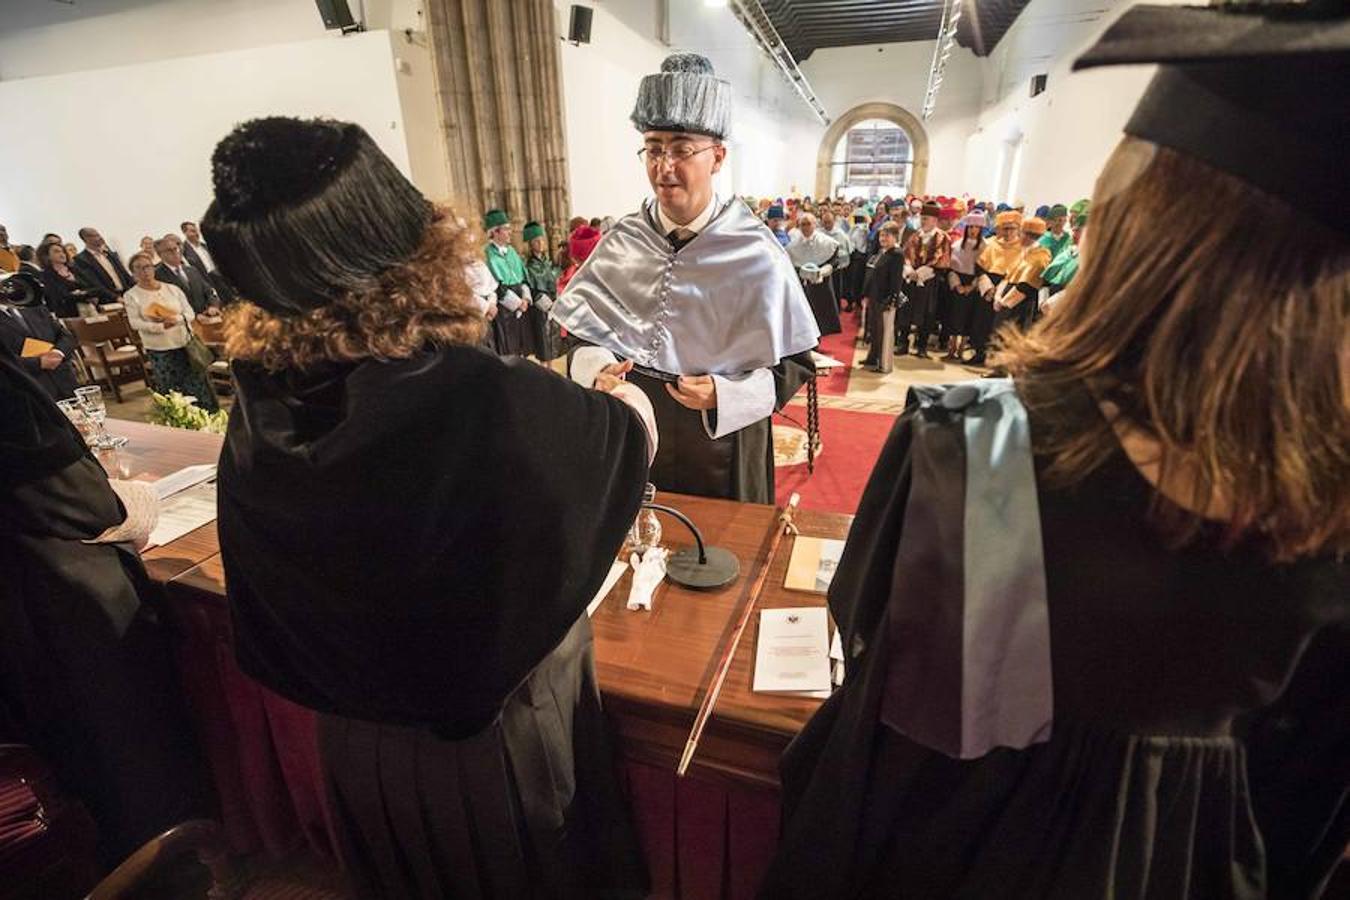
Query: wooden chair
(111,353)
(213,336)
(47,838)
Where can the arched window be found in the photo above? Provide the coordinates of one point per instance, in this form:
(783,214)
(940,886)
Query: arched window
(873,158)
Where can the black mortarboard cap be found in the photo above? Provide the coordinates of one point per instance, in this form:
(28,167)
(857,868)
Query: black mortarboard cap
(1257,90)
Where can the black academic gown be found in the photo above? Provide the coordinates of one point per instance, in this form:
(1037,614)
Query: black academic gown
(87,675)
(738,466)
(406,556)
(1200,739)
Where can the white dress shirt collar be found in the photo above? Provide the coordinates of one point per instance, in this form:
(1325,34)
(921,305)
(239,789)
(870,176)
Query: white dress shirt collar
(698,224)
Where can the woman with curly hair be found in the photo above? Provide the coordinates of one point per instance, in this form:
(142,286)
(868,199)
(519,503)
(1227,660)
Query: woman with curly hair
(402,554)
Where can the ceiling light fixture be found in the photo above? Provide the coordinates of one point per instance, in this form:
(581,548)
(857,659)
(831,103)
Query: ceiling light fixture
(756,21)
(942,50)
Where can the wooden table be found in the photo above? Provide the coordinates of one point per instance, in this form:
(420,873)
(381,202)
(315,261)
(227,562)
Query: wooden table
(152,452)
(654,667)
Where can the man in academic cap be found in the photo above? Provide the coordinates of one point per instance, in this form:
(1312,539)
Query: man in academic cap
(696,297)
(1057,236)
(999,256)
(774,218)
(1014,298)
(928,255)
(541,276)
(510,334)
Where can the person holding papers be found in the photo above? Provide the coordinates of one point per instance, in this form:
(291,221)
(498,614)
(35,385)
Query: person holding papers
(1096,617)
(162,315)
(37,339)
(697,297)
(87,675)
(402,552)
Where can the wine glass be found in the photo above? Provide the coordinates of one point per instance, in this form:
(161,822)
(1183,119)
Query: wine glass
(91,402)
(71,407)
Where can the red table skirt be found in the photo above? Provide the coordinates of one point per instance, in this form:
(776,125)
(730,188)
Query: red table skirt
(703,841)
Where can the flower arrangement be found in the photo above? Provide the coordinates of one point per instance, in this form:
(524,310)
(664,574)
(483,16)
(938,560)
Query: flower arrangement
(178,410)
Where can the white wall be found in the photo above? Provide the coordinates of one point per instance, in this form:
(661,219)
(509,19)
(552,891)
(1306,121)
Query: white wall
(600,82)
(190,53)
(104,148)
(1065,134)
(844,77)
(774,135)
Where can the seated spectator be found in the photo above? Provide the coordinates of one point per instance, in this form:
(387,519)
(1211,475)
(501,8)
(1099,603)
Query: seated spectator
(26,330)
(148,246)
(28,259)
(9,260)
(100,267)
(63,292)
(162,316)
(174,269)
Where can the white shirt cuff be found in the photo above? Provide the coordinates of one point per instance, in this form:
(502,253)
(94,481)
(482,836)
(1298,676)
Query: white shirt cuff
(741,400)
(587,363)
(642,405)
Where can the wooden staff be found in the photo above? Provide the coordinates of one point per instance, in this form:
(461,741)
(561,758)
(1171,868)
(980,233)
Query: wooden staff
(709,701)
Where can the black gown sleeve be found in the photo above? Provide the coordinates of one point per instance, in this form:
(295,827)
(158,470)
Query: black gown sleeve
(861,587)
(789,375)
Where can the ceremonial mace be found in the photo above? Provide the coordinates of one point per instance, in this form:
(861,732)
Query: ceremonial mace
(705,711)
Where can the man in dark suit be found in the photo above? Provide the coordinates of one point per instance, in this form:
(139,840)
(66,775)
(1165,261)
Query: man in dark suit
(175,270)
(54,368)
(99,267)
(196,252)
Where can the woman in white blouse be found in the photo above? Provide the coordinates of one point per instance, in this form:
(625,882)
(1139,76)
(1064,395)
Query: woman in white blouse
(162,316)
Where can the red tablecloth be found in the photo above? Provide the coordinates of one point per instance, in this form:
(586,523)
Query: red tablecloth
(704,841)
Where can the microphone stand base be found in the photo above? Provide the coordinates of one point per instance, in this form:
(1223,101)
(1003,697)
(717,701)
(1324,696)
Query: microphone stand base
(684,569)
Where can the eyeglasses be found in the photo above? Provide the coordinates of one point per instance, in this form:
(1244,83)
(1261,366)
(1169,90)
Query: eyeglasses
(677,154)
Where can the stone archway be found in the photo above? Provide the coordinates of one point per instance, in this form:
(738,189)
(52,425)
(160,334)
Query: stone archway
(876,110)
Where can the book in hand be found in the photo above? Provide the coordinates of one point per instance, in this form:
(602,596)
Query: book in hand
(812,564)
(33,347)
(792,654)
(156,310)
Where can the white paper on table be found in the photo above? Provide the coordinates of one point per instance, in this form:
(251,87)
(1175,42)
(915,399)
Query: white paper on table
(793,651)
(616,571)
(825,362)
(183,512)
(183,479)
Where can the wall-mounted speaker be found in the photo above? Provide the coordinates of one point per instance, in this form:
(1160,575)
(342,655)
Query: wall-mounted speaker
(336,14)
(1038,84)
(579,25)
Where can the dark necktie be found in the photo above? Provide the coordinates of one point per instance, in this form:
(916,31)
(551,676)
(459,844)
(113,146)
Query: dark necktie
(679,237)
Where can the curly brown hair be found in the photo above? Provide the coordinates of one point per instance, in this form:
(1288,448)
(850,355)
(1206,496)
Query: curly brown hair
(425,301)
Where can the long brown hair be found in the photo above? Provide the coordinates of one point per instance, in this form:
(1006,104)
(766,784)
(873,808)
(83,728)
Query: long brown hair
(424,301)
(1217,322)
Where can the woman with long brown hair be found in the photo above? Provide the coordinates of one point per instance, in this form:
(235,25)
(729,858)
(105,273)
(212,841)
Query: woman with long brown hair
(402,553)
(1097,616)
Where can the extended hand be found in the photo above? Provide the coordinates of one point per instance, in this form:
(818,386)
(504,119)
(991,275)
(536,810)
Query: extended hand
(694,392)
(51,359)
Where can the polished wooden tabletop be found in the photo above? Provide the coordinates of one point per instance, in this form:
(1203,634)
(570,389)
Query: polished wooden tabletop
(654,667)
(151,452)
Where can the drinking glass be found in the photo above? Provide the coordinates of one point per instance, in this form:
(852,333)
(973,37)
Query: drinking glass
(75,414)
(645,532)
(91,401)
